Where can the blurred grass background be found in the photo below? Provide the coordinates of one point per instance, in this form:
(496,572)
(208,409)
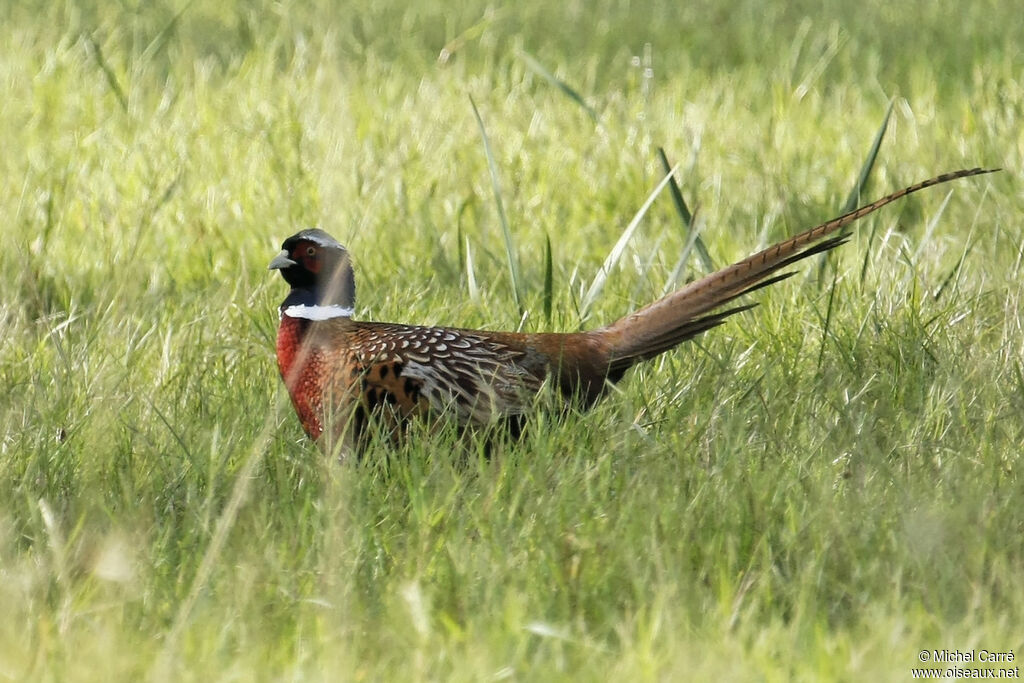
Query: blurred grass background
(785,499)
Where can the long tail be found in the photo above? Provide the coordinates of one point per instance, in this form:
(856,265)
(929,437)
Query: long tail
(685,313)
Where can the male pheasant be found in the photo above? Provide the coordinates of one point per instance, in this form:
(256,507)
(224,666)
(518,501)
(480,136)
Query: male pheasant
(341,372)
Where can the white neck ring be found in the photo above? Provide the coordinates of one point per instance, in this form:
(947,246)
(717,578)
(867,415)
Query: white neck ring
(317,312)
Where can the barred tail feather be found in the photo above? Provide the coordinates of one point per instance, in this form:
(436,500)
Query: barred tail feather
(689,311)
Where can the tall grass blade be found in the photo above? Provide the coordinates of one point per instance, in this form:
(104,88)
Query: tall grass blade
(853,200)
(684,214)
(474,291)
(492,17)
(620,246)
(108,73)
(165,34)
(867,252)
(929,229)
(827,327)
(539,69)
(680,266)
(954,274)
(548,280)
(460,257)
(676,194)
(510,253)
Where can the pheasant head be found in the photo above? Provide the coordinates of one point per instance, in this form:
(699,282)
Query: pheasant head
(319,270)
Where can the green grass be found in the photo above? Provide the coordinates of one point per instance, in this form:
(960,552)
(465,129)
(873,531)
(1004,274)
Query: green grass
(783,499)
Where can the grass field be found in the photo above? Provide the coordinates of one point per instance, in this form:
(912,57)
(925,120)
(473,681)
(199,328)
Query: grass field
(819,490)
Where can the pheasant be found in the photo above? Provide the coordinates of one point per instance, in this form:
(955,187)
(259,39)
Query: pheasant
(341,373)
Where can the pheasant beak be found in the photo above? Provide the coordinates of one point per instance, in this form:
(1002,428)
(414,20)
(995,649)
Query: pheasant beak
(281,261)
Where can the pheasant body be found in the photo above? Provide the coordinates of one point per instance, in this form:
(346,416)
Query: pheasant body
(340,373)
(405,371)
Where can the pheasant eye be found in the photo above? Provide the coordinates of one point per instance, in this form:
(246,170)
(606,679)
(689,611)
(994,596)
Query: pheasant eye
(311,251)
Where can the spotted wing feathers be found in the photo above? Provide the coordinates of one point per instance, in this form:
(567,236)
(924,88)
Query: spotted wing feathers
(474,377)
